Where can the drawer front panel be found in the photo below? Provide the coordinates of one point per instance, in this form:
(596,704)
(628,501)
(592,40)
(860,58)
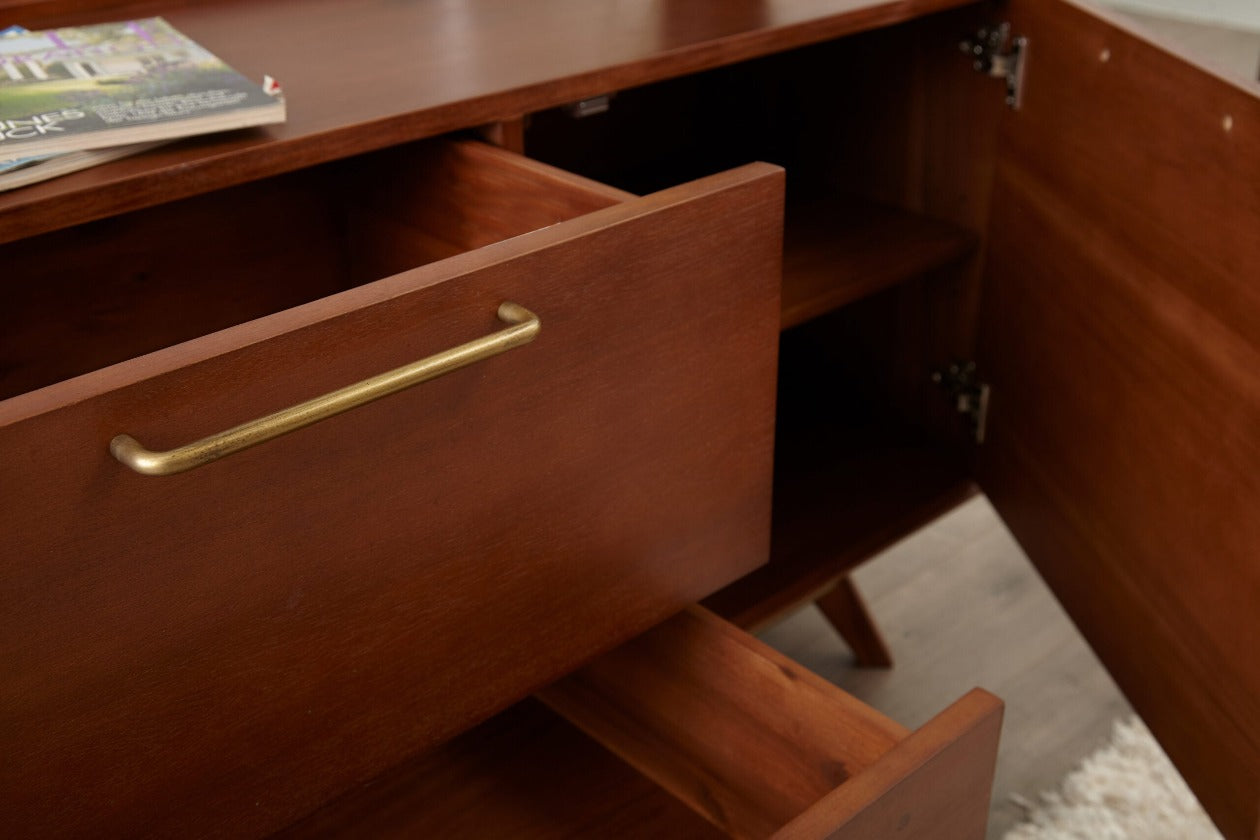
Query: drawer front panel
(224,649)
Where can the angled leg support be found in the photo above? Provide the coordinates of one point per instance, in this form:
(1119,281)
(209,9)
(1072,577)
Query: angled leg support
(842,605)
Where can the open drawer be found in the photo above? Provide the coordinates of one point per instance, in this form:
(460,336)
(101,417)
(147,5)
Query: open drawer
(221,649)
(729,738)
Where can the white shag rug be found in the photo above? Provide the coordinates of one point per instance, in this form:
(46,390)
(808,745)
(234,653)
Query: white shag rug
(1128,790)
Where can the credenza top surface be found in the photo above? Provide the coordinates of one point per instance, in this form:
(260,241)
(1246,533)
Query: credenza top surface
(367,74)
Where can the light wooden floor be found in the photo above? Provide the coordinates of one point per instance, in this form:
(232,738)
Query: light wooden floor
(961,606)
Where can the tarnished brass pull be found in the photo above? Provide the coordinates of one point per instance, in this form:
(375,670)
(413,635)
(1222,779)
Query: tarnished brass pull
(525,326)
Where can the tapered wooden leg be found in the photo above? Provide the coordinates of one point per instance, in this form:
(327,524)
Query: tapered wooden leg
(843,606)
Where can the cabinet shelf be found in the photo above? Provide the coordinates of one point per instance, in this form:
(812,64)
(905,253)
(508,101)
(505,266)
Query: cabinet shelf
(839,250)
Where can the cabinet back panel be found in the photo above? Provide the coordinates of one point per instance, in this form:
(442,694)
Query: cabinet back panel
(842,116)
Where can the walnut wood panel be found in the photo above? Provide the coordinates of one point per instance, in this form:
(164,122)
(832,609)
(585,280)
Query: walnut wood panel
(435,199)
(469,194)
(1121,335)
(954,126)
(742,734)
(934,785)
(526,774)
(363,75)
(226,649)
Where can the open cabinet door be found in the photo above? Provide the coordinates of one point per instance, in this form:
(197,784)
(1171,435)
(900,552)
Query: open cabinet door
(1120,332)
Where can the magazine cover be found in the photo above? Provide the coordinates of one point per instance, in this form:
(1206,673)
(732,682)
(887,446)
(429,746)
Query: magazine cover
(111,84)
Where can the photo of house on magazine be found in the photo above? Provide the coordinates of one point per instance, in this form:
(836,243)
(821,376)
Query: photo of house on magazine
(113,84)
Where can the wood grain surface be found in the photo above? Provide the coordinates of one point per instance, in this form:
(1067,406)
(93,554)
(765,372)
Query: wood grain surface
(1121,335)
(934,785)
(425,201)
(525,774)
(742,734)
(838,250)
(363,75)
(226,649)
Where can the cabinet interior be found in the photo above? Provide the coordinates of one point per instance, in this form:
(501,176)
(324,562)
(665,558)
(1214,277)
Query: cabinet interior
(880,272)
(123,286)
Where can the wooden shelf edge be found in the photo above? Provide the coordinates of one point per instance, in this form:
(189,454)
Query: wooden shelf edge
(839,250)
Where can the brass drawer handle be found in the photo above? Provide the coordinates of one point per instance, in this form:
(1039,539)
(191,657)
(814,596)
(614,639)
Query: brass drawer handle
(127,450)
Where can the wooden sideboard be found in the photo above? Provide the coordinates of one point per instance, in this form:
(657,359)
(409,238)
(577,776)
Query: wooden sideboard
(733,287)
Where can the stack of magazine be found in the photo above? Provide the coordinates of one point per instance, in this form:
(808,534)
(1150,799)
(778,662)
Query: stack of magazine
(80,96)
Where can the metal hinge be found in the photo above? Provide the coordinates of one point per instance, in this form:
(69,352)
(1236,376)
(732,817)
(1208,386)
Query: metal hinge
(971,396)
(996,53)
(590,106)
